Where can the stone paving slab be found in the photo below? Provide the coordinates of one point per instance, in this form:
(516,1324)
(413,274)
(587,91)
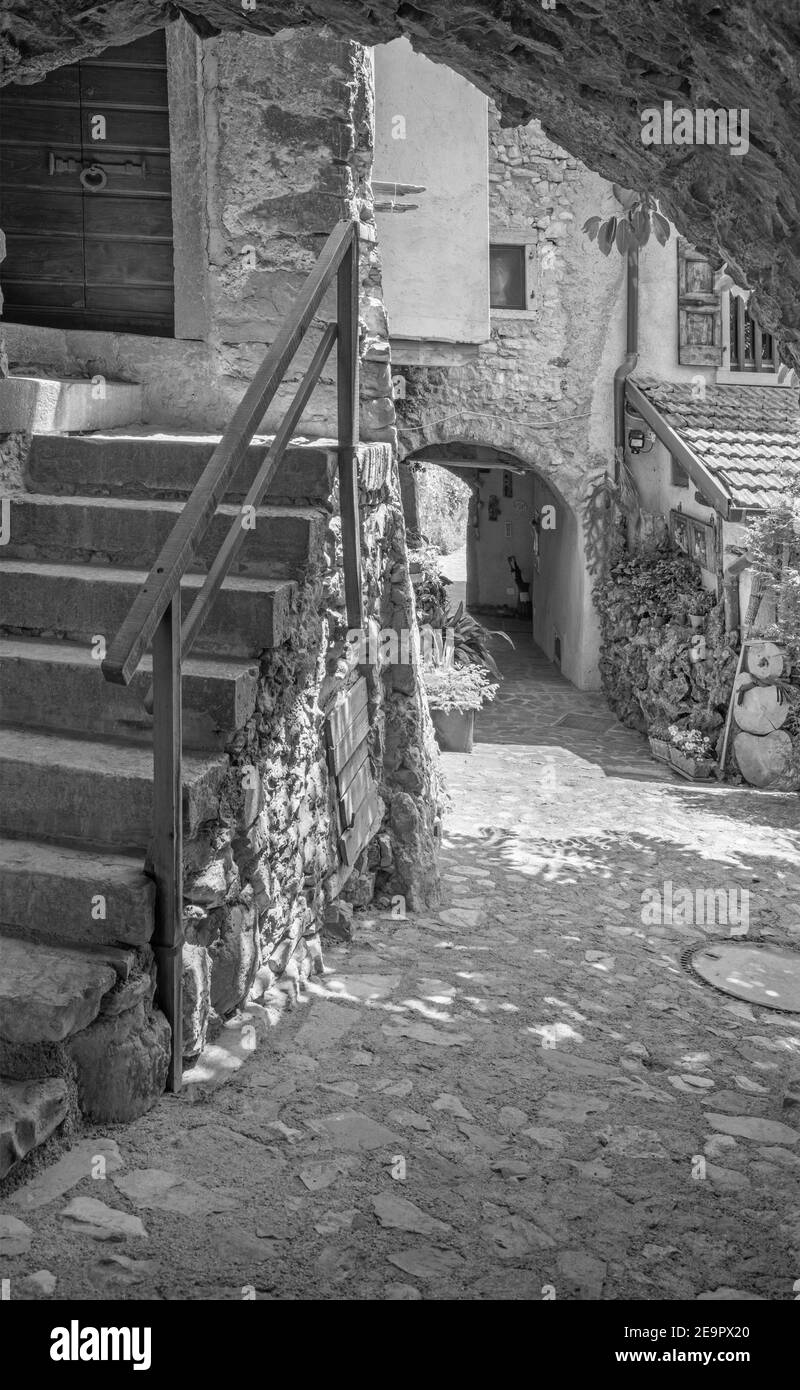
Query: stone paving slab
(523,1089)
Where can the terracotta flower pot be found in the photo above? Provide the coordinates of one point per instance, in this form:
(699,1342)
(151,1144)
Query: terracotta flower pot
(454,730)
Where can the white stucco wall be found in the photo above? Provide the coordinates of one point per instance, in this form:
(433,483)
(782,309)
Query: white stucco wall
(659,495)
(431,130)
(491,583)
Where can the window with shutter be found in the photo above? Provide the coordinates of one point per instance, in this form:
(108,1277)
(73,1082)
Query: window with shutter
(699,310)
(752,349)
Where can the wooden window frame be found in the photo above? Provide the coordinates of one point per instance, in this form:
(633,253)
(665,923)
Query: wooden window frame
(527,241)
(734,372)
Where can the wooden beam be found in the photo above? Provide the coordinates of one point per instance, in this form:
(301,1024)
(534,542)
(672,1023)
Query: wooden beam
(672,441)
(166,853)
(741,314)
(757,355)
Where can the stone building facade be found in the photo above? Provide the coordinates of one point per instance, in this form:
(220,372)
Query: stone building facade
(532,398)
(271,145)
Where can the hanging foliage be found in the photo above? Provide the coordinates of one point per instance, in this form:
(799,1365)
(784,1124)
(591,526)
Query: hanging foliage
(651,666)
(632,226)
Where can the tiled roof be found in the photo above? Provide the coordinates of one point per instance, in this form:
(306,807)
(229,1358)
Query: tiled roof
(747,437)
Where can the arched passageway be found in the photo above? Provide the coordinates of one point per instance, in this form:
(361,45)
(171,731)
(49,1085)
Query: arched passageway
(523,557)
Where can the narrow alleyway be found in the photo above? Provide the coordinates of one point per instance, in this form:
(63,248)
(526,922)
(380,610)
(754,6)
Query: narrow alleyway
(523,1096)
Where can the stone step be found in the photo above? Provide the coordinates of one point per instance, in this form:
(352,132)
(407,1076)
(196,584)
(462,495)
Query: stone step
(47,994)
(81,602)
(76,897)
(278,541)
(30,1112)
(47,405)
(79,791)
(144,464)
(59,685)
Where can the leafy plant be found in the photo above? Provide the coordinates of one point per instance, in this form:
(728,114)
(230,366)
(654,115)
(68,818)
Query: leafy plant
(430,586)
(646,665)
(471,641)
(640,216)
(461,688)
(442,505)
(772,547)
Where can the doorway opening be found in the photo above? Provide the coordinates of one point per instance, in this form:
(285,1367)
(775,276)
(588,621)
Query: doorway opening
(520,562)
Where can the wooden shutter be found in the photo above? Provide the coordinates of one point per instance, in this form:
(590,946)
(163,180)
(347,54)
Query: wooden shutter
(358,805)
(699,310)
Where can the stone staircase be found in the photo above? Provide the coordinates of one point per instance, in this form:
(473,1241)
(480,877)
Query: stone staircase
(78,1028)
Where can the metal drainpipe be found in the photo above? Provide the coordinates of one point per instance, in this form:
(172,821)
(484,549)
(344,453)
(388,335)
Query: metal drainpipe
(631,354)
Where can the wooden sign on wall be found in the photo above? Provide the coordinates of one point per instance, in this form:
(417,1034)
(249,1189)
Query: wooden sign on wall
(359,808)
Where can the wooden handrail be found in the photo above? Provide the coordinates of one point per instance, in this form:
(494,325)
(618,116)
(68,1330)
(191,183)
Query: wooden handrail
(155,615)
(150,604)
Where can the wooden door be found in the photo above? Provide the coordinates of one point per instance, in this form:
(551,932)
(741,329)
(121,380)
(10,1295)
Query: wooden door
(359,809)
(85,195)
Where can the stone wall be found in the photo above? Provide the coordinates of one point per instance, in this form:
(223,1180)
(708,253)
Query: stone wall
(259,875)
(541,388)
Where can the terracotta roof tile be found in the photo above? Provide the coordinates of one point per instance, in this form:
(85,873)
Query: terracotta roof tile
(748,437)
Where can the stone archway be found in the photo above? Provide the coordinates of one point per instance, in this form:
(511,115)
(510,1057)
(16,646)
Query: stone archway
(587,73)
(518,510)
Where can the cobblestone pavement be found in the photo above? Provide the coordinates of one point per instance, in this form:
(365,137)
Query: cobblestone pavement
(523,1096)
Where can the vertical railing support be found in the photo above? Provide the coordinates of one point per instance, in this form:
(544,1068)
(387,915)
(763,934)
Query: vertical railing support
(167,848)
(347,385)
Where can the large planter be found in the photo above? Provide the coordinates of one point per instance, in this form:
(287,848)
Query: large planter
(694,769)
(454,730)
(660,749)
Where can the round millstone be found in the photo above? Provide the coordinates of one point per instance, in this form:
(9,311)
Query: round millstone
(765,975)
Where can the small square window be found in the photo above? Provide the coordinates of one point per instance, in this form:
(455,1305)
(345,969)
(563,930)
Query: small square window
(507,277)
(680,478)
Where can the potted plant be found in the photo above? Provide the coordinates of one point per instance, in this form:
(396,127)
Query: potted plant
(471,641)
(454,694)
(691,753)
(460,676)
(658,737)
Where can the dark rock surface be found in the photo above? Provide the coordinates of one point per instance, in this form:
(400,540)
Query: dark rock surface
(586,69)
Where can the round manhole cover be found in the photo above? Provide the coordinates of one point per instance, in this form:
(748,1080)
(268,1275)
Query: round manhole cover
(765,975)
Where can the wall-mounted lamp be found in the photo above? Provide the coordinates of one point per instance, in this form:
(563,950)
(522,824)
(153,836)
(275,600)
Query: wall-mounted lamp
(640,440)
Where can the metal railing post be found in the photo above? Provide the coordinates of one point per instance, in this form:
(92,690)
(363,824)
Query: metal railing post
(347,385)
(166,855)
